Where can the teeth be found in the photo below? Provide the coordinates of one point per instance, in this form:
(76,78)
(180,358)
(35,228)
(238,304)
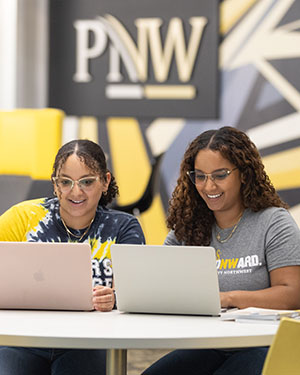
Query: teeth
(214,196)
(77,201)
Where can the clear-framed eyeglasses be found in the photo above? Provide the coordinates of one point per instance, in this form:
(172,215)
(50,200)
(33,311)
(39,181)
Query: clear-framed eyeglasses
(200,178)
(66,184)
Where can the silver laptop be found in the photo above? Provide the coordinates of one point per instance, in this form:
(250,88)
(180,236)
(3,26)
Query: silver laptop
(43,275)
(166,279)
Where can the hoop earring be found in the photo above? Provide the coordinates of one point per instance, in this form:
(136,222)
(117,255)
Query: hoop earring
(104,193)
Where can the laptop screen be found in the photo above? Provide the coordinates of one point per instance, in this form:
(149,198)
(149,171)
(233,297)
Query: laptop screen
(166,279)
(43,275)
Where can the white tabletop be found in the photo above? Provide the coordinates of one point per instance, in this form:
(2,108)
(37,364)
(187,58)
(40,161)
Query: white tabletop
(115,330)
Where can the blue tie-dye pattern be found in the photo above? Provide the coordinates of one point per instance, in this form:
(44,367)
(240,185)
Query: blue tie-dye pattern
(109,227)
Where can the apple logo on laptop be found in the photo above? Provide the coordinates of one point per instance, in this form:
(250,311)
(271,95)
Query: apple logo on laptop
(39,276)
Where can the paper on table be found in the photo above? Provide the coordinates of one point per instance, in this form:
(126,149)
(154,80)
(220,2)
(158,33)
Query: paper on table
(255,314)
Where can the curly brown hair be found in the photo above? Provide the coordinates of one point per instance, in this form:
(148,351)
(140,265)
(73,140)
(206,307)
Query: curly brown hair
(92,155)
(189,216)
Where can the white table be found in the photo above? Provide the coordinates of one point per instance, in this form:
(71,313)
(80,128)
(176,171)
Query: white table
(118,332)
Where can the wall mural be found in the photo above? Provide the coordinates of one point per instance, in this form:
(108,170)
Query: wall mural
(259,93)
(140,59)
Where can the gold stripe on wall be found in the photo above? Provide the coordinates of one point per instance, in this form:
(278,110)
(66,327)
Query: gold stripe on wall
(130,161)
(88,128)
(153,222)
(283,168)
(170,92)
(231,12)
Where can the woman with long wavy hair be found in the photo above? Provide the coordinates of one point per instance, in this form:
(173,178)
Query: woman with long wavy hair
(225,199)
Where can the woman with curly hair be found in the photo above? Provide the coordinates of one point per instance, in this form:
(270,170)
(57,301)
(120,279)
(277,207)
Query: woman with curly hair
(83,186)
(225,199)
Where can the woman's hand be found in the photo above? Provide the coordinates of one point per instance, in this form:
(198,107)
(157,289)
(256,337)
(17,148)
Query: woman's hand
(283,294)
(225,299)
(103,298)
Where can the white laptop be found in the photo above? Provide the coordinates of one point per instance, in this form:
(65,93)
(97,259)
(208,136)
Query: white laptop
(44,275)
(166,279)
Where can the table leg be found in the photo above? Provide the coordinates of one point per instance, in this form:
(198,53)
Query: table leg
(116,361)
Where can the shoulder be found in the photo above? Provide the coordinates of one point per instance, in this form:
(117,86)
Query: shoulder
(117,219)
(125,227)
(271,214)
(18,220)
(28,205)
(275,222)
(171,239)
(32,211)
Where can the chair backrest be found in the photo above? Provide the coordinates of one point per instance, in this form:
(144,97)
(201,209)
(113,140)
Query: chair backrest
(283,357)
(29,140)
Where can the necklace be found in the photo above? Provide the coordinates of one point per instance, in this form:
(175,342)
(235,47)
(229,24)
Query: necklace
(75,235)
(218,235)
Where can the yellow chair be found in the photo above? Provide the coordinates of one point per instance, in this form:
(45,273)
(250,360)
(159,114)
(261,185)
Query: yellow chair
(283,357)
(29,141)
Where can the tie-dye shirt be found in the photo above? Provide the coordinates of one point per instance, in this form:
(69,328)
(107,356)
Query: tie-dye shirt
(39,220)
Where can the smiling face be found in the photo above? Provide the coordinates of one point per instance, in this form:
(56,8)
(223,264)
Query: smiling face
(78,206)
(223,197)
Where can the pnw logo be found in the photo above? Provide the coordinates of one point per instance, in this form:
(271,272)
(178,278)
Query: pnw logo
(109,34)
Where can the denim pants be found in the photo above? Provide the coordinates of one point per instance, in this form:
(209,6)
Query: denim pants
(248,361)
(36,361)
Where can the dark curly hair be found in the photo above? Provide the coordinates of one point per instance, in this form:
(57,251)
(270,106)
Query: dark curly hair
(92,155)
(189,215)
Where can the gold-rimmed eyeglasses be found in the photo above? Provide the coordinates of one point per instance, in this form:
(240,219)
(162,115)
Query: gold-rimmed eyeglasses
(200,178)
(66,184)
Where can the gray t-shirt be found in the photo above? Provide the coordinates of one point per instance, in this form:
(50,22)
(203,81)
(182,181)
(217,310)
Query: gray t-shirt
(262,242)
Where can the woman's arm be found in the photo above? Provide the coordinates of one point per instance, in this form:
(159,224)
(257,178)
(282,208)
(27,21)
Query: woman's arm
(284,292)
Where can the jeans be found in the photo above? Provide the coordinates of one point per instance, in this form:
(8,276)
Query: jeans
(248,361)
(36,361)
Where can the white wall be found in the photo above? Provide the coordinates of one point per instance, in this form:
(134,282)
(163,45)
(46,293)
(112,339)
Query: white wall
(8,52)
(32,54)
(23,53)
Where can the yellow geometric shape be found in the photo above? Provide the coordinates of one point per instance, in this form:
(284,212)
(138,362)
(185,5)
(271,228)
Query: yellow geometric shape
(29,141)
(88,128)
(153,222)
(130,161)
(283,168)
(231,11)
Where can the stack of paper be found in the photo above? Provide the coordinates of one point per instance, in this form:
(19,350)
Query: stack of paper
(258,315)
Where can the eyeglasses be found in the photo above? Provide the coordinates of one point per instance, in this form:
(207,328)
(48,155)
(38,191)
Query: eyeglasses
(200,178)
(66,184)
